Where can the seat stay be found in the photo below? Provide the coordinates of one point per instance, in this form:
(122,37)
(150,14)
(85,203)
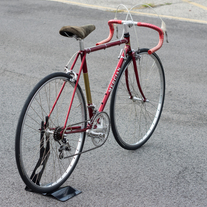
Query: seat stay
(76,85)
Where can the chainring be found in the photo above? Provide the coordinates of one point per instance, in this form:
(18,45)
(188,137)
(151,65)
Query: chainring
(100,129)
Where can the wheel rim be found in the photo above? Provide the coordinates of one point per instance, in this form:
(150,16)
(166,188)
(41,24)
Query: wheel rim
(56,170)
(134,119)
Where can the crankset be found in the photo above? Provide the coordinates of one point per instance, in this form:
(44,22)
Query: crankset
(99,131)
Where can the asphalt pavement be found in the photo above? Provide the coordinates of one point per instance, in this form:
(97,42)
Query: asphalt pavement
(184,10)
(170,169)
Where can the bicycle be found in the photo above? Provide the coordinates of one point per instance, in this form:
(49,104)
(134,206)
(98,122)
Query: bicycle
(54,122)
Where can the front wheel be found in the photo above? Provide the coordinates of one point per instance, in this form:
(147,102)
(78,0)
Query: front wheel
(135,110)
(45,154)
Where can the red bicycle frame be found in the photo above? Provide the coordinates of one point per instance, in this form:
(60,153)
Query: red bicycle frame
(83,68)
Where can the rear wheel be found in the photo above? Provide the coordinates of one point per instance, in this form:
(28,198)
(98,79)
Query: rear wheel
(133,118)
(41,143)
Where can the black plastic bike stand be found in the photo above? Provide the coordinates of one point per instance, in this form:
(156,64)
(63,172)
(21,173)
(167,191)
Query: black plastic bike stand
(62,194)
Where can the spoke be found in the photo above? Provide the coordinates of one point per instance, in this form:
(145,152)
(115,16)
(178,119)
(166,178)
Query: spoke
(37,130)
(35,119)
(42,109)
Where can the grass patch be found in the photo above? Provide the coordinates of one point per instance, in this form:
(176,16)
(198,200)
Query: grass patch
(118,11)
(144,6)
(148,5)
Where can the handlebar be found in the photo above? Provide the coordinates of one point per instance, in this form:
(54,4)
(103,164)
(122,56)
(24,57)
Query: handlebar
(140,24)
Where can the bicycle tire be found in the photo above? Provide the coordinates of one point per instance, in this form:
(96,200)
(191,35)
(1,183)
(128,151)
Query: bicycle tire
(39,148)
(133,120)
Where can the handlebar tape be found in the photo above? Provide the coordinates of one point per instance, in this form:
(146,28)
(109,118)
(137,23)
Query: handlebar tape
(140,24)
(161,36)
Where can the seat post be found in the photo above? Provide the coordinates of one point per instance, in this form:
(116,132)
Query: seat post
(81,44)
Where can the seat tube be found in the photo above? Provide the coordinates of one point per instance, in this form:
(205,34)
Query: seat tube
(87,85)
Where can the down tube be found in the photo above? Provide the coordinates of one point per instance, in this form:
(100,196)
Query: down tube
(111,84)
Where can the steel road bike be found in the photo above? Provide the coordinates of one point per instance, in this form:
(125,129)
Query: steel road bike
(54,122)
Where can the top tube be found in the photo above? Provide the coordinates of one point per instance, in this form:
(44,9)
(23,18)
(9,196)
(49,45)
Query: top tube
(106,45)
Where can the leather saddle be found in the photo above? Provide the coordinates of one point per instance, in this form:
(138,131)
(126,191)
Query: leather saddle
(78,32)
